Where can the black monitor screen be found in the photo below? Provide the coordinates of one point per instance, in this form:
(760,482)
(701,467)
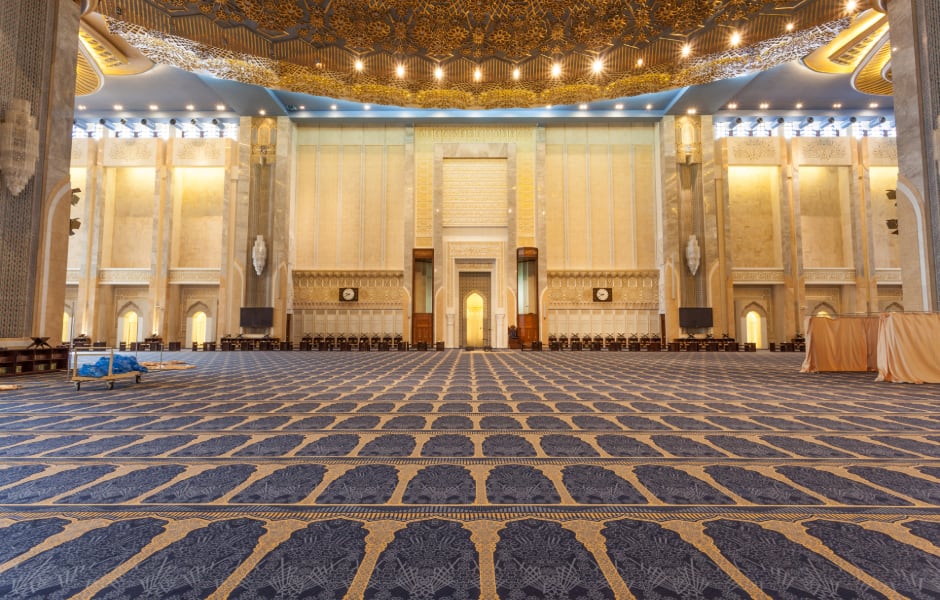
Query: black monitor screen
(695,318)
(258,317)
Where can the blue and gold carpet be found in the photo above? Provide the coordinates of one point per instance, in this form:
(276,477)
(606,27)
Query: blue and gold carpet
(459,475)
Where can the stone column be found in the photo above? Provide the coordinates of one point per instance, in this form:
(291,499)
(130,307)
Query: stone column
(915,64)
(38,52)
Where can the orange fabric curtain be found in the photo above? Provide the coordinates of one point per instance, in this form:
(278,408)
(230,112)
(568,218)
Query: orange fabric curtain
(907,348)
(842,344)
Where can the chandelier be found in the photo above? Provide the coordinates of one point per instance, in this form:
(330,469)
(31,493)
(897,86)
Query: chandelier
(19,146)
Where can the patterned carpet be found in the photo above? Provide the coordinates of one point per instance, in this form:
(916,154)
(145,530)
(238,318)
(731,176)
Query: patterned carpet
(457,475)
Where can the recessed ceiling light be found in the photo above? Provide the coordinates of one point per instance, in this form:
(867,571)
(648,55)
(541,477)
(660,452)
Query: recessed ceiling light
(735,38)
(81,107)
(358,65)
(873,105)
(400,70)
(366,107)
(597,66)
(799,105)
(477,74)
(556,70)
(153,107)
(262,112)
(764,105)
(302,107)
(639,62)
(691,111)
(332,107)
(618,106)
(548,107)
(118,107)
(220,107)
(516,73)
(791,26)
(438,73)
(649,107)
(686,50)
(837,105)
(582,107)
(851,5)
(733,105)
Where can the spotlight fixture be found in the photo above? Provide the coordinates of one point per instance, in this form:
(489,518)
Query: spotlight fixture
(686,50)
(791,26)
(477,74)
(400,70)
(359,65)
(438,73)
(639,62)
(851,6)
(516,74)
(597,66)
(556,70)
(736,39)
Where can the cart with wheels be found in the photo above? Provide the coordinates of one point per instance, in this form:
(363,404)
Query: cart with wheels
(109,378)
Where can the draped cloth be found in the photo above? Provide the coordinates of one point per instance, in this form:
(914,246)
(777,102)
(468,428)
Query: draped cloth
(842,344)
(907,348)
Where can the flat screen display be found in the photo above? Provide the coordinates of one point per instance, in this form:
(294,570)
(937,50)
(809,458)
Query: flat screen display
(695,318)
(257,317)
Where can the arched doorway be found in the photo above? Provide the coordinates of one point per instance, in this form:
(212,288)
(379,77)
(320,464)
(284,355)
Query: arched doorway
(199,321)
(754,323)
(474,310)
(128,328)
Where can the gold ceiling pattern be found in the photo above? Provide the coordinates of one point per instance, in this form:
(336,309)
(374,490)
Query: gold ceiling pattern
(474,53)
(862,49)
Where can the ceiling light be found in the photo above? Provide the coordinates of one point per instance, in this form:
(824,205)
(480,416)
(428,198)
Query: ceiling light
(649,107)
(686,50)
(691,111)
(153,107)
(733,105)
(851,5)
(582,107)
(358,65)
(556,70)
(735,39)
(477,74)
(799,105)
(873,105)
(837,105)
(220,107)
(791,26)
(516,74)
(764,105)
(81,107)
(400,70)
(548,107)
(262,112)
(639,62)
(366,107)
(302,107)
(118,107)
(597,66)
(618,106)
(438,73)
(190,107)
(332,107)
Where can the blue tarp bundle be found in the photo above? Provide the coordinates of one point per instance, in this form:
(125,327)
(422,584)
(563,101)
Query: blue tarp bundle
(122,364)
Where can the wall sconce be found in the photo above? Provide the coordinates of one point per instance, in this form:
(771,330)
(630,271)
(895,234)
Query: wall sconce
(75,196)
(259,254)
(19,145)
(74,225)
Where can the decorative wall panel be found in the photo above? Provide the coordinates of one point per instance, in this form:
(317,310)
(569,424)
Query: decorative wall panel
(320,289)
(754,151)
(753,194)
(882,151)
(130,152)
(475,192)
(823,150)
(198,152)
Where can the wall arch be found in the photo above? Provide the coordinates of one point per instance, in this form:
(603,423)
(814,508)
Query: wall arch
(753,324)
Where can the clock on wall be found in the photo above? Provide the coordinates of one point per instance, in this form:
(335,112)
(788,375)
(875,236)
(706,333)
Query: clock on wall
(348,294)
(602,295)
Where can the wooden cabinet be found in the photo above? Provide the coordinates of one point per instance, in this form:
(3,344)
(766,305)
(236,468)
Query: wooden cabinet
(22,361)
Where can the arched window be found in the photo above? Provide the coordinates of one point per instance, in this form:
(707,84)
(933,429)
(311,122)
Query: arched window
(199,328)
(755,328)
(129,330)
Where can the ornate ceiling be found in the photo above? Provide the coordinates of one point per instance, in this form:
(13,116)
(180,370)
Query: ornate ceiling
(862,49)
(474,53)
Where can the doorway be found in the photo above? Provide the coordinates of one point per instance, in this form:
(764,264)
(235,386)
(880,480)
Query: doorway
(475,310)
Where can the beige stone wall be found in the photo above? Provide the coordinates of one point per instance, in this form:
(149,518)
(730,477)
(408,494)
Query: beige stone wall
(887,253)
(349,198)
(754,201)
(128,217)
(600,186)
(198,195)
(825,219)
